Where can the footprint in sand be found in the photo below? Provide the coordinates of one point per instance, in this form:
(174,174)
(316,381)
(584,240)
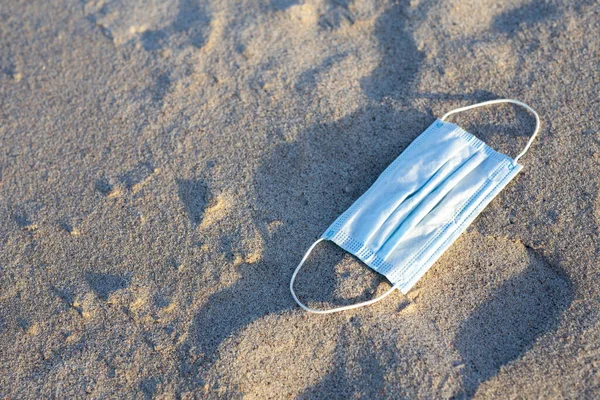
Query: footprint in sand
(493,298)
(506,324)
(193,194)
(133,180)
(104,285)
(138,176)
(107,188)
(152,24)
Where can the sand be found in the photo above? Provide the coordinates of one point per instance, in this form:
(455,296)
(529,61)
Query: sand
(165,164)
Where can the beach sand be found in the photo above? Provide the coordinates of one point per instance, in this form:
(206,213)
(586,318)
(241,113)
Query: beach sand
(165,164)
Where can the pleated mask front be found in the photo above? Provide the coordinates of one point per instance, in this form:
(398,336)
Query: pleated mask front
(421,203)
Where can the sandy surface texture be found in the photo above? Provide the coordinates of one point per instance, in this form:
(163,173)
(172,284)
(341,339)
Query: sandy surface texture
(165,164)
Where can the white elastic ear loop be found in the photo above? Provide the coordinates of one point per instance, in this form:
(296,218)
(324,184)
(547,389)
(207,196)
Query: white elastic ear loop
(333,310)
(486,103)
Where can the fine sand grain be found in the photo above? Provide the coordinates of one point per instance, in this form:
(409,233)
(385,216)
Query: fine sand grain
(165,164)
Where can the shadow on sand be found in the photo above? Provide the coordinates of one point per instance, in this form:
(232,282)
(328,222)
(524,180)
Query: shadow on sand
(306,184)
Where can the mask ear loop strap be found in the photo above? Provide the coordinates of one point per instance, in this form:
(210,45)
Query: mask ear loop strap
(332,310)
(497,101)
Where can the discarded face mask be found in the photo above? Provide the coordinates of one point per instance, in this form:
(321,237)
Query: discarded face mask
(421,203)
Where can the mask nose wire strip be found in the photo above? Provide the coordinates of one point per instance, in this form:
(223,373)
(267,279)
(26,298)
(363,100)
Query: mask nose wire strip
(497,101)
(332,310)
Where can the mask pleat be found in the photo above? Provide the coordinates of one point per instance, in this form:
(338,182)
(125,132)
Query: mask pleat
(418,180)
(407,201)
(496,173)
(404,210)
(434,197)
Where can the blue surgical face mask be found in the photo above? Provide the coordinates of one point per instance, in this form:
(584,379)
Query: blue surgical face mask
(421,203)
